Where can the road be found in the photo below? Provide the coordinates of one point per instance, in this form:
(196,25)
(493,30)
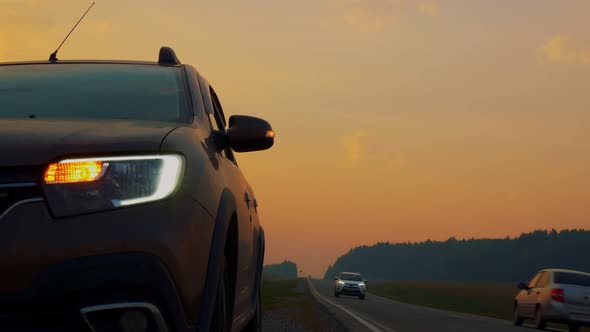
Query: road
(378,314)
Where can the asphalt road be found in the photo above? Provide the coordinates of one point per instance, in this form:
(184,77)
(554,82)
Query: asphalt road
(378,314)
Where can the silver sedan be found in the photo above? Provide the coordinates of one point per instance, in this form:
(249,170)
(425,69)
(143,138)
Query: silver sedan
(554,295)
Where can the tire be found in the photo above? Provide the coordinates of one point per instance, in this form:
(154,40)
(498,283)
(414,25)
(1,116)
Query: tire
(255,324)
(517,319)
(221,320)
(362,297)
(573,328)
(540,323)
(336,294)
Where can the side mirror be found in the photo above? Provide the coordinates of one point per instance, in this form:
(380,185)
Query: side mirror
(522,286)
(335,278)
(365,281)
(247,133)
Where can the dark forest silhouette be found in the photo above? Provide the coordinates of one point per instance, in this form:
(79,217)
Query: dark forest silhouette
(474,260)
(286,269)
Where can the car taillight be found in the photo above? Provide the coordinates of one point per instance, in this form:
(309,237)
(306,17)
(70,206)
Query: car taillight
(557,294)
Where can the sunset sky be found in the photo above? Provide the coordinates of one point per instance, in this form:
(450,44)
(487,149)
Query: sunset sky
(396,120)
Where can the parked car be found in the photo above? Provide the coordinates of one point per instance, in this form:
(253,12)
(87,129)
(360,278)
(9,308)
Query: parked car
(554,295)
(121,201)
(350,283)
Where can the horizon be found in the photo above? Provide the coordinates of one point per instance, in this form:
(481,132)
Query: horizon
(395,120)
(514,237)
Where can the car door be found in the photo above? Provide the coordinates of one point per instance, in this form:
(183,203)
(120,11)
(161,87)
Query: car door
(542,291)
(525,303)
(236,182)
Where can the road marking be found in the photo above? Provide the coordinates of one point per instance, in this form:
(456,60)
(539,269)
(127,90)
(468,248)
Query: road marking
(368,325)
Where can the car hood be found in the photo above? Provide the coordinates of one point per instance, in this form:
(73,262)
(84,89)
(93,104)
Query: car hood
(37,142)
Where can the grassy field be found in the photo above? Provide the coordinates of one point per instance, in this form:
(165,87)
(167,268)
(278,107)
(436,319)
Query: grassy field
(276,291)
(490,299)
(484,299)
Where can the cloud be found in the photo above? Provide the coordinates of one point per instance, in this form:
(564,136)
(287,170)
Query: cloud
(101,26)
(431,8)
(378,15)
(353,145)
(369,15)
(560,50)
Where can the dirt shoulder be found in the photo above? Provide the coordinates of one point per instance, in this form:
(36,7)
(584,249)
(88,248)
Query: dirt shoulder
(289,306)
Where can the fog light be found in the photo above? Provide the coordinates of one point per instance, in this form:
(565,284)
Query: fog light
(133,321)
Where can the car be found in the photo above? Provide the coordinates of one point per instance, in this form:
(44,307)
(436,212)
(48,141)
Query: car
(350,283)
(554,295)
(122,206)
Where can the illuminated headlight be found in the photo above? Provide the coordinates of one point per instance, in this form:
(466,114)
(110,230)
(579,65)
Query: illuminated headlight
(340,282)
(76,186)
(362,284)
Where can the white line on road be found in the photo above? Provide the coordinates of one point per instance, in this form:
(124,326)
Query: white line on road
(368,325)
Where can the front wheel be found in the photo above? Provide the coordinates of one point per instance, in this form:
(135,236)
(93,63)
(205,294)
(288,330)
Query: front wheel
(336,294)
(362,297)
(517,318)
(221,319)
(255,325)
(574,328)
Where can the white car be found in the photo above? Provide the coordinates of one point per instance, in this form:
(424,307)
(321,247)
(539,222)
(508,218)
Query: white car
(554,295)
(350,283)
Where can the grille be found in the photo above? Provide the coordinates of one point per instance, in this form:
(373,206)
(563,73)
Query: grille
(18,184)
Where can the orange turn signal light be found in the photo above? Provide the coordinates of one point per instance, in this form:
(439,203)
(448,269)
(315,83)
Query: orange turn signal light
(74,172)
(270,133)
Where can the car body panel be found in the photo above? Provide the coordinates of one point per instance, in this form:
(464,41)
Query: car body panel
(38,142)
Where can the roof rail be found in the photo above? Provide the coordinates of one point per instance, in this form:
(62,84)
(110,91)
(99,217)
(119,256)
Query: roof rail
(167,56)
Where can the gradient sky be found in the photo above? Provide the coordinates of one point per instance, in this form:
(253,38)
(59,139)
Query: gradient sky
(396,120)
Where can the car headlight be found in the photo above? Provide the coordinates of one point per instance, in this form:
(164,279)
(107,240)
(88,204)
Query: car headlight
(75,186)
(340,282)
(362,284)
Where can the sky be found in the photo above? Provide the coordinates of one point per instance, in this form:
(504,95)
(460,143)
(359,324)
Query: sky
(396,120)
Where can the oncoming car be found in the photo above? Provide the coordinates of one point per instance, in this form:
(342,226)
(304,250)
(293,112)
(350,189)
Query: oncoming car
(554,295)
(122,206)
(350,283)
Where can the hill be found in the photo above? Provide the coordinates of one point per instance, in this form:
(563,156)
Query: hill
(284,270)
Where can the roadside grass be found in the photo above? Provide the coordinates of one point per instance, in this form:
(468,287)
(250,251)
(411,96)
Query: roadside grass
(289,299)
(276,291)
(483,299)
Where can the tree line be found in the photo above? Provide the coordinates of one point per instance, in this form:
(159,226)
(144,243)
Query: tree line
(284,270)
(472,260)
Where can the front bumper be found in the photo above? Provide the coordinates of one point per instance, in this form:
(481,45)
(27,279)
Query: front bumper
(51,268)
(54,300)
(348,290)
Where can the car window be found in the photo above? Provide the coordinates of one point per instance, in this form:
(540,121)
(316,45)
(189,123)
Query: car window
(200,113)
(533,281)
(94,91)
(218,122)
(543,281)
(351,277)
(569,278)
(216,119)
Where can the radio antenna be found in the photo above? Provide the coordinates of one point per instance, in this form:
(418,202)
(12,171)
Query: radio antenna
(53,56)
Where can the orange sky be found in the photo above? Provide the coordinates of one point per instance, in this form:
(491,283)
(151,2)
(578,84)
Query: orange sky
(396,120)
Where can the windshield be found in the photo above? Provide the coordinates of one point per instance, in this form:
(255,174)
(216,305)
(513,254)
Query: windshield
(575,279)
(351,277)
(93,91)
